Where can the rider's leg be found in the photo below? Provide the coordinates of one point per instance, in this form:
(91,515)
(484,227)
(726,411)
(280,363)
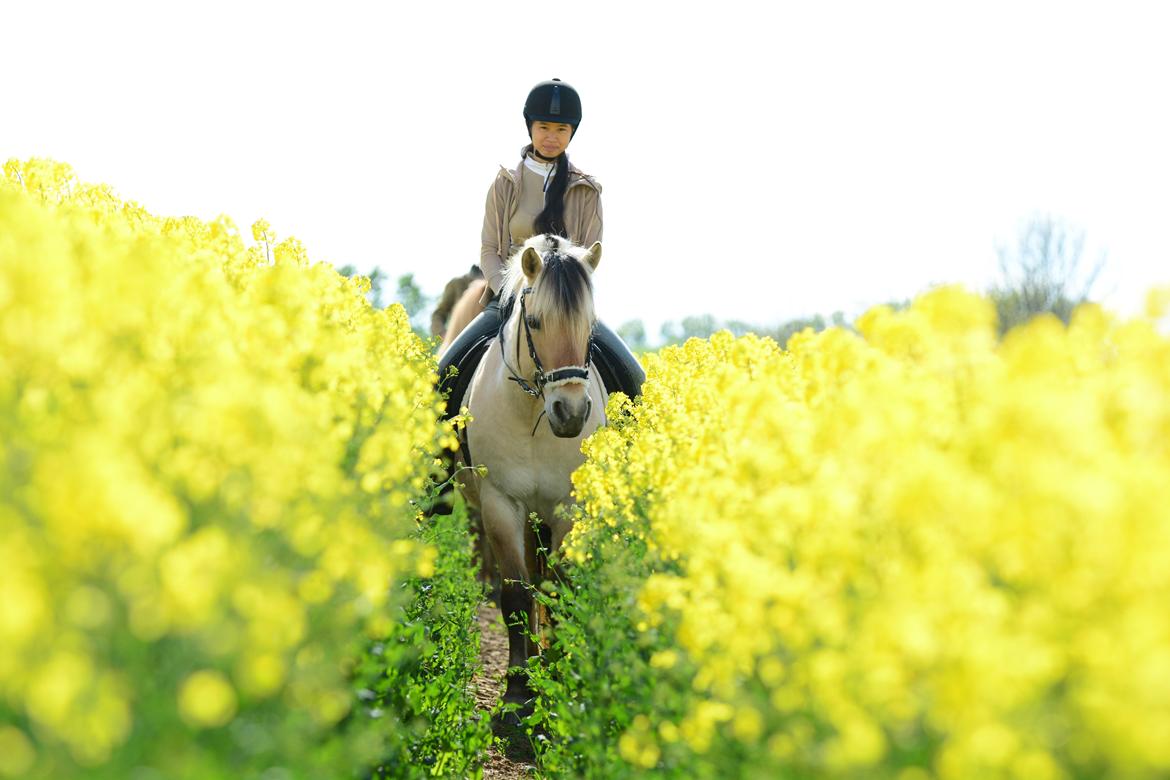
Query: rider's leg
(619,368)
(487,323)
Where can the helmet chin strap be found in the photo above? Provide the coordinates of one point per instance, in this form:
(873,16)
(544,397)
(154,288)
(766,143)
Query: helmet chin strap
(541,156)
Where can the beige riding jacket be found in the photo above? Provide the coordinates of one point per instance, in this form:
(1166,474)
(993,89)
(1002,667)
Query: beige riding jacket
(582,218)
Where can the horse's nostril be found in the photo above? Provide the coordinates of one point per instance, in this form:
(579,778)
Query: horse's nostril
(559,409)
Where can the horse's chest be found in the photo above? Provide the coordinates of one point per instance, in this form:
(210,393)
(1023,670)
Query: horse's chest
(533,469)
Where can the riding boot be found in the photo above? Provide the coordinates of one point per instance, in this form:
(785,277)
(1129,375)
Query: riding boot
(463,355)
(619,369)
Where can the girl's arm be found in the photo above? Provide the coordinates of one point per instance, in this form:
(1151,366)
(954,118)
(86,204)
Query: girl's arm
(591,229)
(491,259)
(586,207)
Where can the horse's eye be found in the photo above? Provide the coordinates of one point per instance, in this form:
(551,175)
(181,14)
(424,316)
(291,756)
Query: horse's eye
(533,322)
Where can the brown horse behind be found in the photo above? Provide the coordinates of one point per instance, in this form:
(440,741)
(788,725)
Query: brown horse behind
(466,309)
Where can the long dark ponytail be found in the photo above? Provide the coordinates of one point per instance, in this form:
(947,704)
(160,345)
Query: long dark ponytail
(552,218)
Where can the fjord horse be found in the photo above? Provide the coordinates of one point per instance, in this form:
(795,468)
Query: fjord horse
(533,400)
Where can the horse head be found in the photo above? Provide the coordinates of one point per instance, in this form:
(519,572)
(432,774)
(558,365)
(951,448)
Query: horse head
(551,281)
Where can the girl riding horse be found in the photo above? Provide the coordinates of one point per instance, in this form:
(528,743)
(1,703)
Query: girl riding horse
(544,194)
(534,397)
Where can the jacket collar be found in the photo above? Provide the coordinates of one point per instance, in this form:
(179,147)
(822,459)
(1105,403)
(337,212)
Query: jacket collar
(576,175)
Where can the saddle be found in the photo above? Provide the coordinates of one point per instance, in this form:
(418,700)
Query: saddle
(465,365)
(615,376)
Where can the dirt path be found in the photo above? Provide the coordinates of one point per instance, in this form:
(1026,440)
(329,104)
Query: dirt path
(489,686)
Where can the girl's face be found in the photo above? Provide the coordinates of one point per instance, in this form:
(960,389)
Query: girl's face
(551,138)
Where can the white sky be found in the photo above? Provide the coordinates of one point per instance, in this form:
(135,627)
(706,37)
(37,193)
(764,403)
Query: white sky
(760,161)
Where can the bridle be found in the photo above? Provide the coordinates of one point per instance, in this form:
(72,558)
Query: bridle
(541,379)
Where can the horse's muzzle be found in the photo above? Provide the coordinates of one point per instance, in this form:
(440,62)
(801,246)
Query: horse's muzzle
(567,416)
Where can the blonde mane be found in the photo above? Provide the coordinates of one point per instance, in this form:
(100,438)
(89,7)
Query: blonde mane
(562,295)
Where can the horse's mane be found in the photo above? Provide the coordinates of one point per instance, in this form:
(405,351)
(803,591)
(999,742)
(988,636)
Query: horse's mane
(563,294)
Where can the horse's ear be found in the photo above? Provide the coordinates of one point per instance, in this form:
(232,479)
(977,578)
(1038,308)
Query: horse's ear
(593,256)
(531,263)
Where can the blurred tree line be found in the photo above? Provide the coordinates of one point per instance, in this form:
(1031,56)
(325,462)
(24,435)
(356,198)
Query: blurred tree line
(1041,273)
(406,291)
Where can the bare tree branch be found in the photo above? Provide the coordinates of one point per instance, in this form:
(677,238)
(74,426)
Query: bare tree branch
(1042,273)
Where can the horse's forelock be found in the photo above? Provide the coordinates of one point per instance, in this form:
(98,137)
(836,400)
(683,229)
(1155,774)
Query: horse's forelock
(549,246)
(563,297)
(564,284)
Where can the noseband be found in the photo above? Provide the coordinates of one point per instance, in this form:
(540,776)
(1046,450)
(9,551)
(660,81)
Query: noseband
(542,379)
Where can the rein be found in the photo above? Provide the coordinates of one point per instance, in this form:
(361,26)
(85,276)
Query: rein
(542,379)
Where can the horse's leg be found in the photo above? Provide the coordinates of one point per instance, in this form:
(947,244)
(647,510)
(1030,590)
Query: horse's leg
(488,576)
(504,521)
(560,528)
(537,547)
(553,536)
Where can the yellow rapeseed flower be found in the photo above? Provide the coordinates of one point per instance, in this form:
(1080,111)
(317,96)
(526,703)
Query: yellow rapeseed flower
(207,699)
(913,537)
(212,447)
(17,754)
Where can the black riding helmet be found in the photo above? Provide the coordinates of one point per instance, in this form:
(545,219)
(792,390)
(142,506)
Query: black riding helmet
(553,101)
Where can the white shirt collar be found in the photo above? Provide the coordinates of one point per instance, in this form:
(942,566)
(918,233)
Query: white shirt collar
(536,166)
